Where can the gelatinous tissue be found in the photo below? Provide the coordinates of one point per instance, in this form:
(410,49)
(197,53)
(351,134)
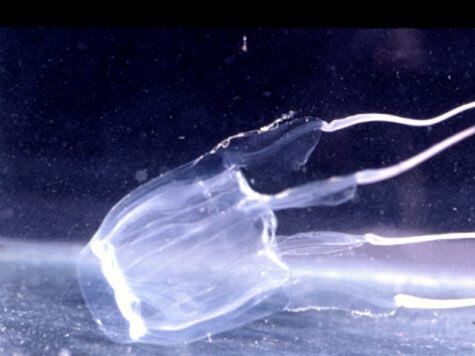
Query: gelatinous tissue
(194,252)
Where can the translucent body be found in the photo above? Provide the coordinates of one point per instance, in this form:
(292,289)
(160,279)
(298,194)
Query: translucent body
(194,252)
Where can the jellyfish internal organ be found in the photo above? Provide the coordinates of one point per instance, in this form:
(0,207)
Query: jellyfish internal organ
(194,251)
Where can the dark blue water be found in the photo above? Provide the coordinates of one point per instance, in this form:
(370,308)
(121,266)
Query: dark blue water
(89,114)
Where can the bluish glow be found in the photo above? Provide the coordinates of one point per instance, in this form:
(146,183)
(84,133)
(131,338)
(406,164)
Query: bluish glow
(194,252)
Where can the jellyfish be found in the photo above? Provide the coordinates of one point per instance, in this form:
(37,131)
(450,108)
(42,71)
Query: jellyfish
(195,251)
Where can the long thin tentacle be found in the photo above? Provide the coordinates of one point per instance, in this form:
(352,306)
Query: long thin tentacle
(340,124)
(369,176)
(336,190)
(377,240)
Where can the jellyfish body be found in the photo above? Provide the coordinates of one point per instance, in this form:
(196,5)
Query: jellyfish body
(194,252)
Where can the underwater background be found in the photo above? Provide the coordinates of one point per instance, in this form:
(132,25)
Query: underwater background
(88,114)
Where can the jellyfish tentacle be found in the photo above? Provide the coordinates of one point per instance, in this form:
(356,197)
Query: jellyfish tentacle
(415,302)
(337,190)
(369,176)
(318,243)
(328,192)
(377,240)
(345,272)
(339,124)
(329,242)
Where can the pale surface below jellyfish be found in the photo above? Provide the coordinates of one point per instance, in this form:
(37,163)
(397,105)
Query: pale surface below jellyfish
(194,252)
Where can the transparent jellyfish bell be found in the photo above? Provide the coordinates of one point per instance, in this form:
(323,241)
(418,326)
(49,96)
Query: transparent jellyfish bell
(194,252)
